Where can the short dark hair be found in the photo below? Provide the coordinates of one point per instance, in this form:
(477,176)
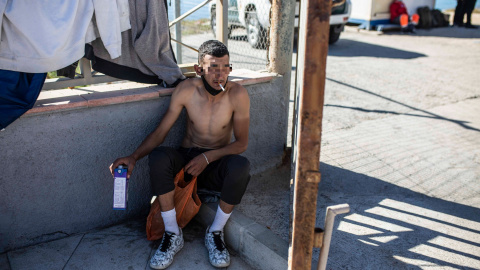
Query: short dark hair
(213,48)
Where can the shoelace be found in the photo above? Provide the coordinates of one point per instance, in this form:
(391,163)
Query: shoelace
(218,241)
(166,241)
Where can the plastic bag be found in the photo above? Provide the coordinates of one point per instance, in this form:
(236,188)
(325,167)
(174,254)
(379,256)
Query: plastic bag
(187,204)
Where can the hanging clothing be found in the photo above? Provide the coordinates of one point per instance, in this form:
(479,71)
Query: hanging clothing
(93,33)
(68,71)
(46,35)
(146,48)
(121,72)
(124,19)
(19,92)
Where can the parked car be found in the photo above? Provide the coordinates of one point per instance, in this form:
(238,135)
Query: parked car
(253,15)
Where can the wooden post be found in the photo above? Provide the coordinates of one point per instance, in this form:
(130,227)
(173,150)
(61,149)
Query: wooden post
(222,21)
(312,51)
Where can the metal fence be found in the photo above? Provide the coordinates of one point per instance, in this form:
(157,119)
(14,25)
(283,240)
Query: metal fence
(248,24)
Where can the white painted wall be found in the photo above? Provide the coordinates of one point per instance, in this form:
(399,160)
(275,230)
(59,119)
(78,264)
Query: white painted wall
(370,10)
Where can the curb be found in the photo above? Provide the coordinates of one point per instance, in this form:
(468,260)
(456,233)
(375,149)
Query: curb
(257,245)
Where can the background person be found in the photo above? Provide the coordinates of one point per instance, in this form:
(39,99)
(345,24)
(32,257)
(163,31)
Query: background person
(459,13)
(399,15)
(464,7)
(206,152)
(469,7)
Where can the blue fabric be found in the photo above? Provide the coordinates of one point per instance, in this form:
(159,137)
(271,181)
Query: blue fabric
(18,93)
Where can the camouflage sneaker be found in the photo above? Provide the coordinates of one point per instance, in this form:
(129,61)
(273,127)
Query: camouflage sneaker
(217,251)
(171,244)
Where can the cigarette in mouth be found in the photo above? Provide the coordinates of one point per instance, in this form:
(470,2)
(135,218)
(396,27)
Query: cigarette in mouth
(221,86)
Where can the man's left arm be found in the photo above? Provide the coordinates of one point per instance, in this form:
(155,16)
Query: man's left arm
(241,123)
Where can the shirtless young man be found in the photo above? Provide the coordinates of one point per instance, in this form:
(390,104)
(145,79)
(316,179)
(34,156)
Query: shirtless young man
(206,152)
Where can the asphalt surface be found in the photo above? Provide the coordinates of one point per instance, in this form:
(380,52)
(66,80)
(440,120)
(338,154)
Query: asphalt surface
(400,144)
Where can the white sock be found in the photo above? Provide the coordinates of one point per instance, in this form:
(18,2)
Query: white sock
(219,221)
(170,221)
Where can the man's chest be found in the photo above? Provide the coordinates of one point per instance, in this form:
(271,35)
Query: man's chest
(211,115)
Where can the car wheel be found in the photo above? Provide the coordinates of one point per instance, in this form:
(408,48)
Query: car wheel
(213,24)
(334,34)
(256,35)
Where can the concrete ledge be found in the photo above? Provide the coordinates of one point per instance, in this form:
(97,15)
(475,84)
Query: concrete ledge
(121,92)
(256,244)
(63,147)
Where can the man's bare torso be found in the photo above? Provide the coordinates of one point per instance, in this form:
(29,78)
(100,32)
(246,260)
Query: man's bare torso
(209,118)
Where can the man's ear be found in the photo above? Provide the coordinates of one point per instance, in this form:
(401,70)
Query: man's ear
(198,69)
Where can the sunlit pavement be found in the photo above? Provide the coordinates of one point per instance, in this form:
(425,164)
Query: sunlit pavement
(401,145)
(412,182)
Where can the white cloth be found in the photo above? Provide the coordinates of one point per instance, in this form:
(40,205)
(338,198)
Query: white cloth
(170,221)
(220,220)
(124,17)
(47,35)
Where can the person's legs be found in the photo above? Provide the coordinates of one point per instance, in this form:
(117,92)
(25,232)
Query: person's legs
(221,217)
(396,20)
(459,13)
(165,163)
(404,20)
(469,7)
(415,19)
(230,175)
(413,22)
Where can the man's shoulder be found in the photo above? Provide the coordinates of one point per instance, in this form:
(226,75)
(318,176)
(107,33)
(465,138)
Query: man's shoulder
(238,95)
(188,83)
(237,89)
(187,86)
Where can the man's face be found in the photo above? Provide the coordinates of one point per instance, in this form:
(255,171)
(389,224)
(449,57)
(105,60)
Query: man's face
(216,70)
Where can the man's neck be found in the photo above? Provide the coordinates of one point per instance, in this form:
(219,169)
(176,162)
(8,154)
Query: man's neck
(212,91)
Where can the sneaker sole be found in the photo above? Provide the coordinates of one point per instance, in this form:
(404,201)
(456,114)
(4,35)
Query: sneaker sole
(220,265)
(163,267)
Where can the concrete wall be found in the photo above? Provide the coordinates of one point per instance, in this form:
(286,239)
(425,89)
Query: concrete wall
(55,179)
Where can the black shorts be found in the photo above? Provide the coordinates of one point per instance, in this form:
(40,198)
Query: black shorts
(229,175)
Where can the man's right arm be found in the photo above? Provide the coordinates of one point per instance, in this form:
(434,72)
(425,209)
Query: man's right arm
(157,137)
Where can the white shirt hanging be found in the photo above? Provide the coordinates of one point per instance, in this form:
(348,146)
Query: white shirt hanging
(46,35)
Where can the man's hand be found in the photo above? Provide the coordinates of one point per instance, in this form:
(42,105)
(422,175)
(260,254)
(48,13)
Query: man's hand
(196,166)
(126,161)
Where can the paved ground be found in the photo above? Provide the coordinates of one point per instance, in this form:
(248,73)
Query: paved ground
(400,144)
(412,182)
(119,247)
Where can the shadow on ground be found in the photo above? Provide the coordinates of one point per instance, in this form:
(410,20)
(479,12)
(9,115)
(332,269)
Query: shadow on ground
(352,48)
(448,32)
(390,227)
(427,114)
(267,200)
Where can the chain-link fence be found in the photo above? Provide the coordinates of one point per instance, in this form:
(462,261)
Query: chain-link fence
(248,24)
